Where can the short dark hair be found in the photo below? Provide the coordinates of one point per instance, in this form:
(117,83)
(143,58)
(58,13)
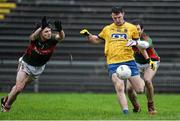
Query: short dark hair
(117,9)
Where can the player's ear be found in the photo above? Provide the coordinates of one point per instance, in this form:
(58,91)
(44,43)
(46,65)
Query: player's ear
(111,15)
(123,13)
(142,30)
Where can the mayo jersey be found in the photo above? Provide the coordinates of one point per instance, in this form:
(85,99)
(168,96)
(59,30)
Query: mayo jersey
(116,37)
(38,52)
(150,51)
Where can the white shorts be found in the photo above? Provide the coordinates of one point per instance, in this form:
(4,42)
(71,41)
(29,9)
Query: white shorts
(33,71)
(143,67)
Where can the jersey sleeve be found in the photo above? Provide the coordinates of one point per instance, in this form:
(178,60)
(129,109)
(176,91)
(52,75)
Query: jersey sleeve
(150,42)
(102,34)
(146,38)
(135,34)
(37,37)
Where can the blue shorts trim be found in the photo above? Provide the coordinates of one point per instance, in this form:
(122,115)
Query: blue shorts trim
(132,64)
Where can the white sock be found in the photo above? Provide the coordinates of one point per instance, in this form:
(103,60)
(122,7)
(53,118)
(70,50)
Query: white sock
(126,108)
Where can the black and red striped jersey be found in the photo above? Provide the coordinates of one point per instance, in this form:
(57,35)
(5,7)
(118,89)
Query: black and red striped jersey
(39,52)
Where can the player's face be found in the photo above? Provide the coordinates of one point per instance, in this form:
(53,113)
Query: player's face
(140,30)
(118,18)
(46,33)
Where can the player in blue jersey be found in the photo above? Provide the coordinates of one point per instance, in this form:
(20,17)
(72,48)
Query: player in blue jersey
(33,62)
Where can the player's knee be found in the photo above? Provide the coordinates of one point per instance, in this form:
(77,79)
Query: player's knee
(119,87)
(148,84)
(139,90)
(148,80)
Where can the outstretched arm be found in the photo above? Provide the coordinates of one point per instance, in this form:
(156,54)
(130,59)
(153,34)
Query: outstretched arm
(60,36)
(92,38)
(138,43)
(142,46)
(44,24)
(34,35)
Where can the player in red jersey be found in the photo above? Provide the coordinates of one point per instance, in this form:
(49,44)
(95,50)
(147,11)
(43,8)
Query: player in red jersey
(146,70)
(32,63)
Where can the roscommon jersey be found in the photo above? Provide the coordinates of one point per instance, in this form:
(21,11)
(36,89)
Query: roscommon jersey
(116,38)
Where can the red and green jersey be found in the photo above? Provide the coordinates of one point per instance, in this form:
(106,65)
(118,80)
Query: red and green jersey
(39,52)
(151,51)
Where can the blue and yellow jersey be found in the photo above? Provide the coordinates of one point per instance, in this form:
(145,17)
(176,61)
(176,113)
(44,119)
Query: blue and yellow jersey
(116,38)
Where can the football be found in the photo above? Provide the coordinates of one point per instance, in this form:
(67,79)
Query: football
(123,72)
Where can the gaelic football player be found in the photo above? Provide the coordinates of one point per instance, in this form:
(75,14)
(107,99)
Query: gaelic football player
(116,36)
(33,62)
(146,70)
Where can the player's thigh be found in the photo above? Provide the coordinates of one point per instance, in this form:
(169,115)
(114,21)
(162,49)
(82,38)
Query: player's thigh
(149,73)
(137,83)
(22,78)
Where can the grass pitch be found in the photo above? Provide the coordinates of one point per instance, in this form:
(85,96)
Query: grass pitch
(87,106)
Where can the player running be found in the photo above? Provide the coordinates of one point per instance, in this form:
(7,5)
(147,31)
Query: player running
(33,62)
(146,70)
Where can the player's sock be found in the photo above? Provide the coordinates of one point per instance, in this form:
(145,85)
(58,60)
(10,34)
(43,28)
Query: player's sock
(4,108)
(151,108)
(125,111)
(137,108)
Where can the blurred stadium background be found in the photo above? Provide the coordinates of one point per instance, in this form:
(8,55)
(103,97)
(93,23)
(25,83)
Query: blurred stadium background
(87,72)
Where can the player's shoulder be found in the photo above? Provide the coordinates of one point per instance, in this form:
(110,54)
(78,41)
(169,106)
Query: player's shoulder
(130,25)
(108,26)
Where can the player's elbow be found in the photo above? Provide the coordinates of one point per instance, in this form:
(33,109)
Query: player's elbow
(93,39)
(140,90)
(62,35)
(142,44)
(31,37)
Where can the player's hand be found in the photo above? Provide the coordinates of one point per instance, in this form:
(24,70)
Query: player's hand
(152,64)
(44,23)
(58,25)
(84,32)
(131,43)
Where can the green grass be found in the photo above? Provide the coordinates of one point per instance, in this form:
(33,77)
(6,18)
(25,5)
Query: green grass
(86,106)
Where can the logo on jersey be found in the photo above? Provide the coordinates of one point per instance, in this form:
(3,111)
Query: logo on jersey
(119,36)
